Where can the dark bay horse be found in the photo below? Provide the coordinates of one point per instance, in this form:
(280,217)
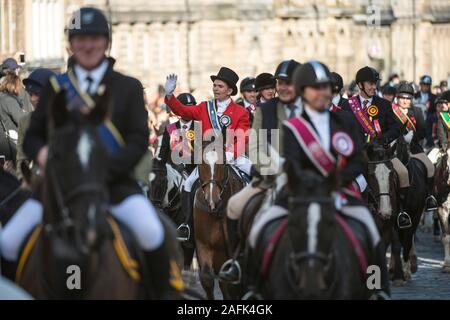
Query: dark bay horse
(218,182)
(442,187)
(314,258)
(75,231)
(165,193)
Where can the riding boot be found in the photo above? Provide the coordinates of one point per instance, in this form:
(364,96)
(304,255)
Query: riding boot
(184,230)
(431,202)
(158,266)
(403,218)
(379,259)
(231,270)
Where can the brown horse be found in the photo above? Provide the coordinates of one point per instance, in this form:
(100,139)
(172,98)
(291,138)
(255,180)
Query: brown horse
(77,234)
(218,182)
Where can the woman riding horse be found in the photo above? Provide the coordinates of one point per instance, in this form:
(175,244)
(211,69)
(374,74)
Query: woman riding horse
(88,77)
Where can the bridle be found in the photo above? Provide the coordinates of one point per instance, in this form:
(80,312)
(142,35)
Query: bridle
(222,186)
(377,197)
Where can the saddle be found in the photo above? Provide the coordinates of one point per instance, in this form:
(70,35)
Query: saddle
(124,243)
(270,235)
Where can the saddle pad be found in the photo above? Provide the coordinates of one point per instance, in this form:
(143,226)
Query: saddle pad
(363,215)
(129,263)
(362,259)
(29,245)
(266,215)
(270,247)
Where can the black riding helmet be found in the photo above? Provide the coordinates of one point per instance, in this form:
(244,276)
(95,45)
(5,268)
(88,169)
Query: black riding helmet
(367,74)
(337,82)
(88,20)
(405,90)
(286,69)
(248,84)
(37,80)
(444,97)
(187,99)
(311,74)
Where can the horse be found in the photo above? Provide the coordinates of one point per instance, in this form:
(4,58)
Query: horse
(415,204)
(165,194)
(218,182)
(442,188)
(77,231)
(307,260)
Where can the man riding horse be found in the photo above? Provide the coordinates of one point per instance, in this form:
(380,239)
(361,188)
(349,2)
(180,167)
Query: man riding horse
(125,137)
(377,122)
(214,115)
(413,129)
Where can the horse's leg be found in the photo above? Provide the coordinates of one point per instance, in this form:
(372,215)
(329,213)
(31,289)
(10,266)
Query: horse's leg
(398,276)
(413,255)
(445,226)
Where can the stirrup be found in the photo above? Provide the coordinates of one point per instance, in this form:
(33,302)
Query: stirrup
(398,220)
(380,295)
(431,198)
(189,232)
(251,295)
(228,264)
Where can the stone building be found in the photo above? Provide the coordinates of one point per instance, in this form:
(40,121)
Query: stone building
(193,38)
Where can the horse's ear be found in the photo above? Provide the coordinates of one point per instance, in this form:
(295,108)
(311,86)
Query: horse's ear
(102,107)
(58,110)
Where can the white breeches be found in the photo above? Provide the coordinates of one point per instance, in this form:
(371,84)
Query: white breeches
(242,163)
(136,212)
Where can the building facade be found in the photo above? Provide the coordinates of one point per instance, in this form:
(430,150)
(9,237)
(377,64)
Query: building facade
(193,38)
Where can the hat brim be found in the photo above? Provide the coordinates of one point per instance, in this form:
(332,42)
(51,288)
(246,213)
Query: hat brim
(232,86)
(404,95)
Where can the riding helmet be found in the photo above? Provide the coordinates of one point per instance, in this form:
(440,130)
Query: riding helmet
(248,84)
(425,80)
(88,20)
(187,99)
(286,69)
(405,90)
(310,74)
(337,82)
(367,74)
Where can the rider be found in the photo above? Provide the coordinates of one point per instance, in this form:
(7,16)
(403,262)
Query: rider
(443,126)
(340,147)
(424,99)
(413,129)
(91,71)
(338,101)
(215,114)
(377,122)
(265,85)
(269,116)
(248,100)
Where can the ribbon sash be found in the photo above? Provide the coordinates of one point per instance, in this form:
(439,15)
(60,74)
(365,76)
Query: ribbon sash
(362,116)
(404,118)
(310,143)
(76,100)
(446,117)
(213,117)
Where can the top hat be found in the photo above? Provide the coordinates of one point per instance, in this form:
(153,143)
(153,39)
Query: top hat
(229,76)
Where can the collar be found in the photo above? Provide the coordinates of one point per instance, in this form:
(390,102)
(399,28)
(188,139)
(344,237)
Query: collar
(97,74)
(336,99)
(361,100)
(185,123)
(316,115)
(246,103)
(223,104)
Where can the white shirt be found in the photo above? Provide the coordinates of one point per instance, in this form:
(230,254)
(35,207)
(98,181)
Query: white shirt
(321,121)
(247,104)
(361,100)
(298,108)
(96,75)
(222,106)
(185,123)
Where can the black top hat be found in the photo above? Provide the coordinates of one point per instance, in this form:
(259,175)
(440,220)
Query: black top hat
(264,81)
(229,76)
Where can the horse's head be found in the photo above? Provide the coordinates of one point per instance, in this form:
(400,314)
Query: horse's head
(213,173)
(381,178)
(158,182)
(76,171)
(311,229)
